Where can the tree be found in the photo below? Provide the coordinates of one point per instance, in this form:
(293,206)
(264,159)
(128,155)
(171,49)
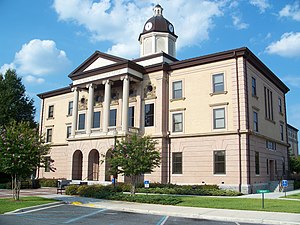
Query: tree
(14,103)
(134,156)
(295,164)
(22,150)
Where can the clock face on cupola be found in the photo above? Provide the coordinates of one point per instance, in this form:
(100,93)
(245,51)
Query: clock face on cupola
(162,31)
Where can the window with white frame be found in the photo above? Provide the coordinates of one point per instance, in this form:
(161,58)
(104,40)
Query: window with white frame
(81,121)
(51,111)
(113,117)
(149,115)
(70,108)
(96,120)
(177,90)
(131,116)
(177,119)
(218,83)
(219,118)
(219,162)
(49,135)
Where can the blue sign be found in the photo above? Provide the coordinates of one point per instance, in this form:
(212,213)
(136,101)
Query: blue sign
(147,183)
(284,183)
(113,180)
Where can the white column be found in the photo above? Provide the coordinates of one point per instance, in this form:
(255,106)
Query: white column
(125,105)
(106,105)
(75,111)
(90,111)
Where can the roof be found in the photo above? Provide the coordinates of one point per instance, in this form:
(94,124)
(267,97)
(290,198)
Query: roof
(292,127)
(56,92)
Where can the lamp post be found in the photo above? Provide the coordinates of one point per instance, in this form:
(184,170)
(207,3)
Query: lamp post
(115,141)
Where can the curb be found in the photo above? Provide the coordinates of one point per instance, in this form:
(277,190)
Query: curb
(36,207)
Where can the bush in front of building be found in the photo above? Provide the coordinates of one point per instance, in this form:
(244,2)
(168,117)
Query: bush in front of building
(72,190)
(44,182)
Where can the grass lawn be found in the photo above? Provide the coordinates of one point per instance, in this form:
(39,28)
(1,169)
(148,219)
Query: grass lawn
(295,196)
(271,205)
(8,204)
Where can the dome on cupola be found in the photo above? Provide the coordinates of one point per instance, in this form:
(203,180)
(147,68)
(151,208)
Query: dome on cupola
(157,23)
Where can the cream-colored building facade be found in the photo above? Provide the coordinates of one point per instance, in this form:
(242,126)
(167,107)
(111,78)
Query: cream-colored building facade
(218,118)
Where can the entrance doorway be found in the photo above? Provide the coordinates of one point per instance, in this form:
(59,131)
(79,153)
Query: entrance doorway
(77,165)
(93,165)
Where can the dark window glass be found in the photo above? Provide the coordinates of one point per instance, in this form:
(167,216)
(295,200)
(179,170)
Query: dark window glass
(51,111)
(149,115)
(253,86)
(70,108)
(47,163)
(219,162)
(257,163)
(131,116)
(268,103)
(267,163)
(177,122)
(177,89)
(113,117)
(96,120)
(218,83)
(255,121)
(68,131)
(177,163)
(49,135)
(281,132)
(280,105)
(219,118)
(81,122)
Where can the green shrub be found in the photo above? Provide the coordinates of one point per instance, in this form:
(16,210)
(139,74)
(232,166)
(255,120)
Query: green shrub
(97,191)
(72,190)
(48,182)
(297,184)
(3,186)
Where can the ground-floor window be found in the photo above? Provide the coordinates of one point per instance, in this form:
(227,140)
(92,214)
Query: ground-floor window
(49,135)
(257,163)
(177,163)
(47,164)
(219,162)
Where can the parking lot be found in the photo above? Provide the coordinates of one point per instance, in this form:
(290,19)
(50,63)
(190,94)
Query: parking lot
(71,214)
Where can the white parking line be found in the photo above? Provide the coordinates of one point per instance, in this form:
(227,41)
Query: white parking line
(35,210)
(163,220)
(84,216)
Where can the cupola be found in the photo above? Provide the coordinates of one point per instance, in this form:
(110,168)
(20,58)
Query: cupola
(158,35)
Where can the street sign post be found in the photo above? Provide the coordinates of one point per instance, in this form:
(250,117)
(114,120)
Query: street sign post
(284,184)
(262,192)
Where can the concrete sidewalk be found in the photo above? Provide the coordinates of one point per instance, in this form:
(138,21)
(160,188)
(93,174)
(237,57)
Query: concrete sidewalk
(190,212)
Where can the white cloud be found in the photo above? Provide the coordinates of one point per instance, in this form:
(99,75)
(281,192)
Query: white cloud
(121,22)
(36,58)
(238,24)
(292,11)
(261,4)
(287,46)
(293,81)
(34,80)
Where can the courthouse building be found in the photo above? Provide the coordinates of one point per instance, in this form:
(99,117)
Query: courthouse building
(293,140)
(218,118)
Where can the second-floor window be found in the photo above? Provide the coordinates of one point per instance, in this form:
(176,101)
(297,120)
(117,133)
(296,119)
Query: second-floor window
(51,111)
(81,121)
(96,120)
(253,86)
(255,121)
(177,90)
(219,118)
(131,116)
(149,115)
(281,132)
(268,103)
(70,108)
(177,122)
(218,83)
(113,117)
(49,135)
(279,105)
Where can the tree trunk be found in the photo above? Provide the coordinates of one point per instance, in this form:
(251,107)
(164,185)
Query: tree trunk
(133,184)
(16,186)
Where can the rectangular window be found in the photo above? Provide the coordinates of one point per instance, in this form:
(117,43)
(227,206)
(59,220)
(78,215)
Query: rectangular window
(49,135)
(219,118)
(218,83)
(96,120)
(257,163)
(268,103)
(131,116)
(70,108)
(253,86)
(69,131)
(81,121)
(177,122)
(177,163)
(271,145)
(219,162)
(47,163)
(177,89)
(51,111)
(113,117)
(149,115)
(267,163)
(255,121)
(280,105)
(281,132)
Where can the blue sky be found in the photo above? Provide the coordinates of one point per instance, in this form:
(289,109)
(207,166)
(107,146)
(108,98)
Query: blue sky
(45,40)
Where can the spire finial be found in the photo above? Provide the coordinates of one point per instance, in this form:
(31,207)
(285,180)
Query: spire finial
(158,10)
